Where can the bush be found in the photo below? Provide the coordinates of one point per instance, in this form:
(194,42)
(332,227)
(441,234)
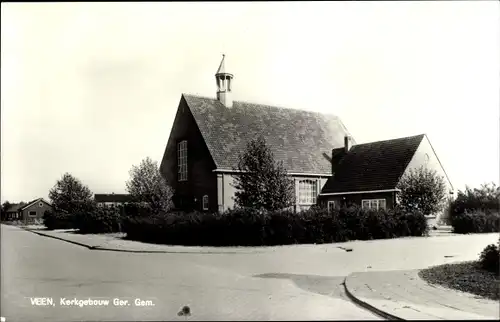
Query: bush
(106,219)
(490,258)
(478,222)
(134,210)
(58,220)
(485,200)
(250,227)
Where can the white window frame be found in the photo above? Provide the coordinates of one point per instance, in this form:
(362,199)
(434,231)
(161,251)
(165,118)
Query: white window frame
(374,204)
(205,202)
(331,205)
(40,204)
(29,213)
(182,165)
(308,192)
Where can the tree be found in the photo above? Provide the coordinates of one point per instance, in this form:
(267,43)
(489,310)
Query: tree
(71,195)
(485,199)
(422,189)
(262,182)
(5,206)
(147,185)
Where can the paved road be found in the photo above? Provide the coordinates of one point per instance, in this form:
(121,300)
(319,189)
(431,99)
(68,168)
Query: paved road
(294,283)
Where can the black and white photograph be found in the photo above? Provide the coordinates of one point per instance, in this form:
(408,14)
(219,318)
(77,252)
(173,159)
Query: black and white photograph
(250,161)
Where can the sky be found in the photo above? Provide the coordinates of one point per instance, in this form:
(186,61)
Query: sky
(92,88)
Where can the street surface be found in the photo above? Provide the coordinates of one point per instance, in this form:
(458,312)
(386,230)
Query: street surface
(290,283)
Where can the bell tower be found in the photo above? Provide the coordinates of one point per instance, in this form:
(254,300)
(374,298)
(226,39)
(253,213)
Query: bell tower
(224,82)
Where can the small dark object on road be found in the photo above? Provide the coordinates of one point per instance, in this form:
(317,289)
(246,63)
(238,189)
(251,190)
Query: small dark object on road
(185,311)
(348,250)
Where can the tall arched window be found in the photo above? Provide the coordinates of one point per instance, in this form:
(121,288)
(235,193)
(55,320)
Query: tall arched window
(182,164)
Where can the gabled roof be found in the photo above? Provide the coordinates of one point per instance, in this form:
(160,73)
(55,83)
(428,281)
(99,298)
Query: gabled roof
(372,166)
(303,140)
(31,203)
(112,197)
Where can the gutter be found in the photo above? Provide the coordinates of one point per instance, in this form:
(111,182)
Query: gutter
(357,192)
(289,173)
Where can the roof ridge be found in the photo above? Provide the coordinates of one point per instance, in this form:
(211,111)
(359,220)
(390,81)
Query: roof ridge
(265,105)
(394,139)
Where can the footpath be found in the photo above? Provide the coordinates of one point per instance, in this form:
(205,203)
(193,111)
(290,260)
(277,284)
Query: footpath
(403,295)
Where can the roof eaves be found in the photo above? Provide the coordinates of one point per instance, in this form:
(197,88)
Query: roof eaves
(30,204)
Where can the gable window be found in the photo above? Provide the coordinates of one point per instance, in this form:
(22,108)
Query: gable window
(40,204)
(32,213)
(182,160)
(205,202)
(308,192)
(374,204)
(331,205)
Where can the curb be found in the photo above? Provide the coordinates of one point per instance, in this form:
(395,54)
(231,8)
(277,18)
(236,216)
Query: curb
(367,306)
(126,250)
(66,240)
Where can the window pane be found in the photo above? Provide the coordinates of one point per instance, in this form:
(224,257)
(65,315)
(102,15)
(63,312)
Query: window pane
(182,160)
(307,192)
(382,203)
(205,202)
(366,204)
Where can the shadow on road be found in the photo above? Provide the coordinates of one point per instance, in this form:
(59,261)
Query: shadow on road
(332,286)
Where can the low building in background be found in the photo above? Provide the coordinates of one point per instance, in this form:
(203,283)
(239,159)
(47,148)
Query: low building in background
(28,213)
(113,199)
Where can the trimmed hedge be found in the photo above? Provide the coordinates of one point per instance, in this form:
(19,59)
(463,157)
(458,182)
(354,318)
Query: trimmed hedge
(490,258)
(478,222)
(251,227)
(58,220)
(106,219)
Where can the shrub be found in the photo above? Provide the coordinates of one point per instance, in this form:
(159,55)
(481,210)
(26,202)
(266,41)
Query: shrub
(485,200)
(104,219)
(411,224)
(133,210)
(422,189)
(478,222)
(251,227)
(58,220)
(490,258)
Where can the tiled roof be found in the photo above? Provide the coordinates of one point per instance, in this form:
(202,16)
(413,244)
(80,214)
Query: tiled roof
(302,140)
(112,197)
(372,166)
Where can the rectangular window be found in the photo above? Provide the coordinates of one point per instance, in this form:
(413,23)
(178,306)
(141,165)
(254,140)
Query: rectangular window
(32,213)
(308,192)
(331,205)
(182,160)
(205,202)
(374,204)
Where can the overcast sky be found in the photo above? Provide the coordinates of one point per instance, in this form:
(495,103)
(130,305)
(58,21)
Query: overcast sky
(92,88)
